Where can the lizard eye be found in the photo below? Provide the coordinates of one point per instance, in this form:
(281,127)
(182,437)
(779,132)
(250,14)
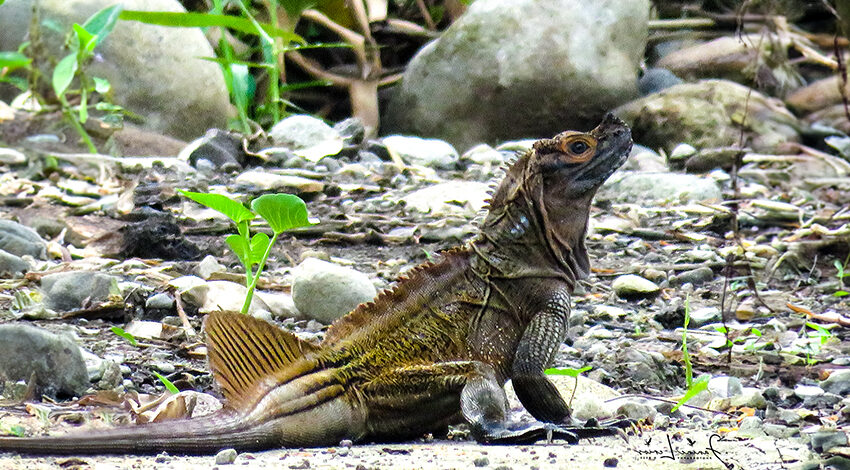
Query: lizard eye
(578,148)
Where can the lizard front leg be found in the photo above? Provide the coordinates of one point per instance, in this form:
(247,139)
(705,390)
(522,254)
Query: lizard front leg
(535,352)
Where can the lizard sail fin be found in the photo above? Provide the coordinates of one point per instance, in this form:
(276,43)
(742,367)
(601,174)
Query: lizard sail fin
(243,351)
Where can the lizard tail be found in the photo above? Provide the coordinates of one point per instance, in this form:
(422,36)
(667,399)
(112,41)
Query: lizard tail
(204,435)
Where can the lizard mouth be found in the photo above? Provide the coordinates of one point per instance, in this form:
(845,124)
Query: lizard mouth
(614,144)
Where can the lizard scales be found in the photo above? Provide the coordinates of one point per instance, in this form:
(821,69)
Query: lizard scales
(434,350)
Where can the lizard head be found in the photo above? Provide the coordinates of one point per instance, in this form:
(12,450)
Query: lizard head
(575,163)
(550,189)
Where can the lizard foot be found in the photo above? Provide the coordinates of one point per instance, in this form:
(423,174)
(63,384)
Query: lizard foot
(529,434)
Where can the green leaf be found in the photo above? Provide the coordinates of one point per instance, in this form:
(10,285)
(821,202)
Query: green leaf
(240,249)
(567,371)
(86,40)
(242,85)
(259,245)
(282,211)
(120,332)
(295,7)
(63,74)
(720,329)
(233,210)
(101,23)
(101,85)
(841,293)
(16,429)
(700,384)
(168,385)
(205,20)
(756,332)
(13,60)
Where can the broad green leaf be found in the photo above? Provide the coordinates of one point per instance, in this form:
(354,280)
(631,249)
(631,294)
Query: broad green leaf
(205,20)
(567,371)
(86,40)
(168,385)
(700,384)
(101,23)
(282,211)
(63,74)
(240,248)
(233,210)
(259,245)
(101,85)
(10,60)
(756,332)
(841,293)
(120,332)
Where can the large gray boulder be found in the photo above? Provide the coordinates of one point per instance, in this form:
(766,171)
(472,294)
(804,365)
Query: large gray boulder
(156,72)
(522,68)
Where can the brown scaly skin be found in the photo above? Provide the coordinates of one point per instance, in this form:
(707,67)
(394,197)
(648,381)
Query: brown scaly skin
(434,350)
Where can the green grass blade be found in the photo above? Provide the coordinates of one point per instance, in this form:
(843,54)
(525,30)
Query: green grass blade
(206,20)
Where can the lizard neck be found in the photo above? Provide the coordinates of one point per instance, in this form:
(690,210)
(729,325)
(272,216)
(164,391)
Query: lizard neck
(521,238)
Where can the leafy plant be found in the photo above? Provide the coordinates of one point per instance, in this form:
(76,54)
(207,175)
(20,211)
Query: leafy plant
(574,373)
(281,211)
(167,383)
(15,429)
(11,61)
(120,332)
(84,39)
(701,383)
(813,331)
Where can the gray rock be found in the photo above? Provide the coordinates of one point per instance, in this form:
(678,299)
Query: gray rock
(806,392)
(631,285)
(644,159)
(751,427)
(64,292)
(307,136)
(749,397)
(11,265)
(352,131)
(636,410)
(111,376)
(55,360)
(778,431)
(325,291)
(426,152)
(135,58)
(259,181)
(209,265)
(724,386)
(649,187)
(682,152)
(696,276)
(485,79)
(823,441)
(161,301)
(11,157)
(453,197)
(706,114)
(225,457)
(838,382)
(704,316)
(656,79)
(21,240)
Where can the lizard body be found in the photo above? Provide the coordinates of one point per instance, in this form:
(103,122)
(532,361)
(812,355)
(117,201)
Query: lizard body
(434,350)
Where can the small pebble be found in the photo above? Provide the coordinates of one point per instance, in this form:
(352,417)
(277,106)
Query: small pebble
(481,462)
(610,462)
(225,457)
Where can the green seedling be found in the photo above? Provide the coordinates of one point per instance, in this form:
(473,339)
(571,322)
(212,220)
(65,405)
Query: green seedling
(167,383)
(82,42)
(281,211)
(701,383)
(813,348)
(120,332)
(15,429)
(11,61)
(574,373)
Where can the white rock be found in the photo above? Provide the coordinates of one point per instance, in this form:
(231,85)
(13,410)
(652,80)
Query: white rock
(324,291)
(630,285)
(454,197)
(426,152)
(265,181)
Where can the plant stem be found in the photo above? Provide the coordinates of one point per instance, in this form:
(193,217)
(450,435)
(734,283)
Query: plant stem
(253,283)
(66,110)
